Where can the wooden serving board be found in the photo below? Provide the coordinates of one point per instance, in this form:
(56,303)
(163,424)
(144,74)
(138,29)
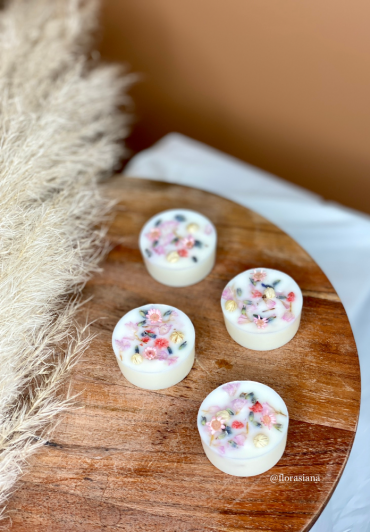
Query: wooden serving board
(132,460)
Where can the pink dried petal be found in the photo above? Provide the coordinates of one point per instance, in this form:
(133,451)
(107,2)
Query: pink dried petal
(164,329)
(123,344)
(132,325)
(288,316)
(231,388)
(238,404)
(240,439)
(160,250)
(227,293)
(163,354)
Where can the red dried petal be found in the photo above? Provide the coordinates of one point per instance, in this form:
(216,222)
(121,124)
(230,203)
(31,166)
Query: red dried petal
(237,425)
(257,407)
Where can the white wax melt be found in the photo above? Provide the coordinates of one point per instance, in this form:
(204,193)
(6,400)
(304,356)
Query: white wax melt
(154,346)
(243,427)
(262,308)
(178,247)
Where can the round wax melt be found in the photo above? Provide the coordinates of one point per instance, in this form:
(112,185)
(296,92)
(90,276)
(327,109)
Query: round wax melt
(243,427)
(154,346)
(178,247)
(262,308)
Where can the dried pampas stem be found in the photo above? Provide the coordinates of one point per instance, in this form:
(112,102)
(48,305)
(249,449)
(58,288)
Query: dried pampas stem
(60,132)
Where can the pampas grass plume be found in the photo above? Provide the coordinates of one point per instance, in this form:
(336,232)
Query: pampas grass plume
(60,132)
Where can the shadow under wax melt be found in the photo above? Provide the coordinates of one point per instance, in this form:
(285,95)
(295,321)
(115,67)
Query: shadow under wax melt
(154,346)
(262,308)
(178,247)
(243,427)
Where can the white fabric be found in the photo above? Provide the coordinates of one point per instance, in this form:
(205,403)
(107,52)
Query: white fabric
(339,241)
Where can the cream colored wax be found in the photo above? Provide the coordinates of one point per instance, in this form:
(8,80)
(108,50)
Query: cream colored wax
(154,346)
(178,247)
(243,426)
(262,308)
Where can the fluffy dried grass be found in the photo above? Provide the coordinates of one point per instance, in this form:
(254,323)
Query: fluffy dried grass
(60,132)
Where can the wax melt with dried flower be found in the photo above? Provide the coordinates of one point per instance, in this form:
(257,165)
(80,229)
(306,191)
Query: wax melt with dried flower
(178,247)
(262,308)
(243,426)
(154,346)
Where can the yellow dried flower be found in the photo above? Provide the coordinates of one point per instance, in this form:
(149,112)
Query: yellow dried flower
(137,359)
(193,228)
(173,256)
(261,440)
(269,293)
(224,414)
(230,305)
(177,337)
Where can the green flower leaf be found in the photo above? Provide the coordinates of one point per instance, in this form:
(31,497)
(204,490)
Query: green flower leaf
(142,313)
(168,313)
(232,443)
(244,311)
(278,426)
(184,344)
(254,283)
(275,283)
(136,348)
(142,323)
(203,420)
(251,416)
(239,292)
(151,335)
(230,412)
(248,302)
(249,396)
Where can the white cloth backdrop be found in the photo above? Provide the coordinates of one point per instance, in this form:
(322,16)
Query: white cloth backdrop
(339,241)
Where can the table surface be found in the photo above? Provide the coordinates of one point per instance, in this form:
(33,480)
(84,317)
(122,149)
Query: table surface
(132,459)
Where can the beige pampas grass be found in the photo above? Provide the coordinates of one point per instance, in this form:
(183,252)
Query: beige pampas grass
(60,131)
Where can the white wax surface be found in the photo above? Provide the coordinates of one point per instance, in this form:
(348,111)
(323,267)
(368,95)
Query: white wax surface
(178,246)
(257,322)
(233,449)
(150,331)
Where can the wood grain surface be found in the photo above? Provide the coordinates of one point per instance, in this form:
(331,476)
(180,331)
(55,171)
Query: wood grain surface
(132,460)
